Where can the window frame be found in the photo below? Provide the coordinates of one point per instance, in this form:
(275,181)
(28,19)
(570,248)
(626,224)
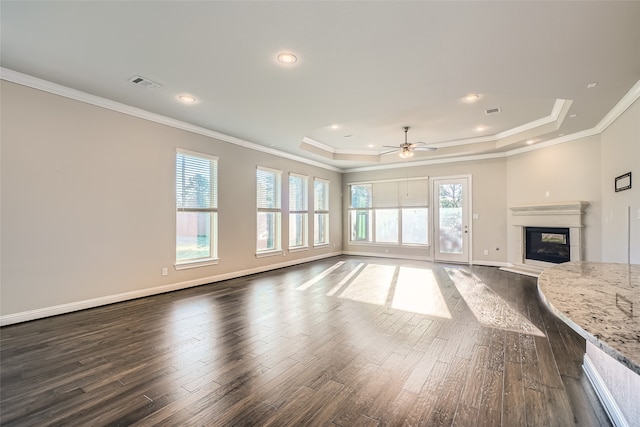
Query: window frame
(277,238)
(305,212)
(379,202)
(212,259)
(321,211)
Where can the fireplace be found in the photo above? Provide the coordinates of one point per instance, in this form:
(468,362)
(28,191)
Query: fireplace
(548,244)
(557,228)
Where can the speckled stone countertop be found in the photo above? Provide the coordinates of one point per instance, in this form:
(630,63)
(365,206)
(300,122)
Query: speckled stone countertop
(600,301)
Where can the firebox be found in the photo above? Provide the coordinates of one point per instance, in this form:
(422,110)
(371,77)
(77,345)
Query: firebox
(547,244)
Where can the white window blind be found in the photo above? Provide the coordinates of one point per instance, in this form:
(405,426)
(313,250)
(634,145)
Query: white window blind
(385,194)
(268,188)
(196,182)
(298,189)
(414,193)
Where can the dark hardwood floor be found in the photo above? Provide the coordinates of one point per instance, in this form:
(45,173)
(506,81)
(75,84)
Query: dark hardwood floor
(346,341)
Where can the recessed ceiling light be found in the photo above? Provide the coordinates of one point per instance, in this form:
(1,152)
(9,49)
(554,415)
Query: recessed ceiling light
(530,141)
(572,115)
(481,128)
(592,85)
(472,97)
(334,126)
(187,99)
(370,145)
(287,58)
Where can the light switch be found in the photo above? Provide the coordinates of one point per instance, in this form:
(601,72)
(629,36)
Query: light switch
(476,216)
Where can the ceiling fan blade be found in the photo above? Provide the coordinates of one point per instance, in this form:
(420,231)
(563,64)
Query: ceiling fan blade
(391,146)
(389,152)
(425,148)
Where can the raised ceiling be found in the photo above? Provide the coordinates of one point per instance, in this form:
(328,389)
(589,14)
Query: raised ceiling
(364,69)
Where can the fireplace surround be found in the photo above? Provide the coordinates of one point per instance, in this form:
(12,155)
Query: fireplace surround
(556,215)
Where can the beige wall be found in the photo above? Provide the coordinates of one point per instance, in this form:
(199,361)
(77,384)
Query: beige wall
(489,198)
(568,171)
(620,153)
(88,204)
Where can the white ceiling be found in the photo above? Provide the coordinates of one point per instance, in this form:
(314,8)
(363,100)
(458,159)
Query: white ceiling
(368,67)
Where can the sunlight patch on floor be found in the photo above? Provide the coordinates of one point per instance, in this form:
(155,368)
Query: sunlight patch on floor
(488,307)
(417,291)
(372,285)
(346,280)
(316,279)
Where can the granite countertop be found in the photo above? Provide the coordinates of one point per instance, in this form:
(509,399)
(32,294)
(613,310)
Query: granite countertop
(600,301)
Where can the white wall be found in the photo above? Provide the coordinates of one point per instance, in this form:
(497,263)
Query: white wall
(620,153)
(88,205)
(568,171)
(489,198)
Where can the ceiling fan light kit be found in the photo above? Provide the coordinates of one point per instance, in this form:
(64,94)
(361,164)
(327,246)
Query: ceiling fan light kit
(405,153)
(406,150)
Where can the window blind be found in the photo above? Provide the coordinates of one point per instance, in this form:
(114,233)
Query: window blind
(298,200)
(414,193)
(196,182)
(268,188)
(321,195)
(385,194)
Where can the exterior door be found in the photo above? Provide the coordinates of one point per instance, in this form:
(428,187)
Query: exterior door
(451,220)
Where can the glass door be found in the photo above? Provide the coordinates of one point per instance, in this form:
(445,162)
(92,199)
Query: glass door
(451,220)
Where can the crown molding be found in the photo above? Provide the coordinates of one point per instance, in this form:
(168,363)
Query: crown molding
(426,162)
(627,100)
(67,92)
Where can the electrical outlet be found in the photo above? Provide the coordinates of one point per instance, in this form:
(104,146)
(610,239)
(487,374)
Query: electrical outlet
(486,251)
(165,271)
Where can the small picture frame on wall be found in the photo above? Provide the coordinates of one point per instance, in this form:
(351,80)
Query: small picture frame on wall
(623,182)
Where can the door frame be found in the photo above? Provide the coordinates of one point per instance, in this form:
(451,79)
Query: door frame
(468,210)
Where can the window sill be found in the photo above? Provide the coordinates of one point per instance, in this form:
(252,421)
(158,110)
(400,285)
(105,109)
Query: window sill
(321,245)
(265,254)
(195,264)
(298,249)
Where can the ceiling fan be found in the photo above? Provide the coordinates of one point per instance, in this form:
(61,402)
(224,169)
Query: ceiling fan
(406,150)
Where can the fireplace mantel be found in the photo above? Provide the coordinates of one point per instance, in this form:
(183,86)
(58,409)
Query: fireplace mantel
(568,214)
(555,208)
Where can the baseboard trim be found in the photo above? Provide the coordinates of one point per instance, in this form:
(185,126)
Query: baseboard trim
(613,411)
(55,310)
(490,263)
(378,255)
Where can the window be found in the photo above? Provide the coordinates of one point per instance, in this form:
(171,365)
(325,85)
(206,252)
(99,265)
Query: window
(321,212)
(268,190)
(391,212)
(298,211)
(196,207)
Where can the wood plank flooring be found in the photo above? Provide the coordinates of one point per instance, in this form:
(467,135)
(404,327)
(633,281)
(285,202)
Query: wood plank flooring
(320,344)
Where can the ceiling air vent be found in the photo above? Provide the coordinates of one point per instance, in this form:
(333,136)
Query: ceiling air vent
(141,81)
(492,110)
